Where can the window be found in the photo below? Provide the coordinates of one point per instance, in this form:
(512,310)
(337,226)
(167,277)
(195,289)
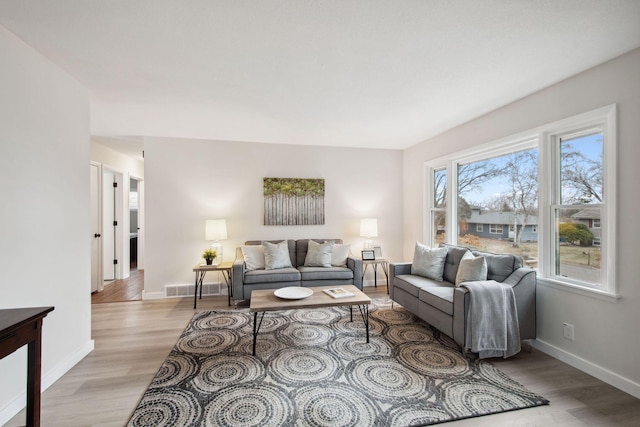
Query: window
(579,201)
(495,229)
(498,189)
(438,216)
(553,187)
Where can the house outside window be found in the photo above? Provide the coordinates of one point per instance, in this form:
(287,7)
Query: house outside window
(479,228)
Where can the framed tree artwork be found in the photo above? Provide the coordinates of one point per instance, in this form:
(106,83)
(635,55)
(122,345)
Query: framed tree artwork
(293,201)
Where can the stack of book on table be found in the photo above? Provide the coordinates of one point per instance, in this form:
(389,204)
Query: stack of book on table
(338,293)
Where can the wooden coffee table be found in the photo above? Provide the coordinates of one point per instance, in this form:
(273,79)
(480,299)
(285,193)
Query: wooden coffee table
(264,300)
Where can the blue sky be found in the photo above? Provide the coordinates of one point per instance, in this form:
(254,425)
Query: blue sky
(590,146)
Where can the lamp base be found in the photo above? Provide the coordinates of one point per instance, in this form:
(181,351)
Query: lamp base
(216,246)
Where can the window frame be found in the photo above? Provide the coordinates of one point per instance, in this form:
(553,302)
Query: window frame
(545,138)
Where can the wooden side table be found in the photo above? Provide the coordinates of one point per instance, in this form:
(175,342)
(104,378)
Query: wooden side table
(23,326)
(201,270)
(383,263)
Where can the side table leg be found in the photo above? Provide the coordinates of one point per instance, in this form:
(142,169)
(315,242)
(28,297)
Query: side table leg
(195,292)
(375,275)
(198,284)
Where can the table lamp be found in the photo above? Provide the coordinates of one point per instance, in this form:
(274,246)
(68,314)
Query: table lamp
(216,230)
(368,229)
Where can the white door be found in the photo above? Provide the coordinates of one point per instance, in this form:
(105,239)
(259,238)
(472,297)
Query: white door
(96,230)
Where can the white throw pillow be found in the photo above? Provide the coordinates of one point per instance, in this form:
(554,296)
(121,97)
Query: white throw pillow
(318,254)
(276,255)
(428,262)
(253,256)
(339,254)
(471,269)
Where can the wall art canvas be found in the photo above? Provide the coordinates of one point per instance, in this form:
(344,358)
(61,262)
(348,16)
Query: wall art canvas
(293,201)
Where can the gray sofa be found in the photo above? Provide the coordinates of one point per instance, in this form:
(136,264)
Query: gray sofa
(445,306)
(243,281)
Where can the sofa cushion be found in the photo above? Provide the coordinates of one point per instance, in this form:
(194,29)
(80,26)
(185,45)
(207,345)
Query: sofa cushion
(253,256)
(318,254)
(272,276)
(325,273)
(499,267)
(276,255)
(452,262)
(440,297)
(412,284)
(428,262)
(471,269)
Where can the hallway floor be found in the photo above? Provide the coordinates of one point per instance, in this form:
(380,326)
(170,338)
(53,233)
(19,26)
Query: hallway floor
(129,289)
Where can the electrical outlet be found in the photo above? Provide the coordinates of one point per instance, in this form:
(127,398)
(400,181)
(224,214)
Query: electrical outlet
(568,331)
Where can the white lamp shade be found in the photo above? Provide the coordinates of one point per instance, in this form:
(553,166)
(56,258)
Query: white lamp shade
(369,227)
(215,229)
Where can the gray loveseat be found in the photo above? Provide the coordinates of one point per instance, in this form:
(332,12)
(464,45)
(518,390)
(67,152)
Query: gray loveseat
(445,306)
(245,280)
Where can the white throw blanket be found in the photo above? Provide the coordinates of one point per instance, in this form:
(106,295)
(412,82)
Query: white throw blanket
(492,322)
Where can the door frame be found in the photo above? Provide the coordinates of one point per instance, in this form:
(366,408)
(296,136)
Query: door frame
(98,194)
(140,249)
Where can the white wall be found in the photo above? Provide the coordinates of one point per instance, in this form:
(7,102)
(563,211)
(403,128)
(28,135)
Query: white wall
(607,335)
(116,161)
(44,220)
(190,181)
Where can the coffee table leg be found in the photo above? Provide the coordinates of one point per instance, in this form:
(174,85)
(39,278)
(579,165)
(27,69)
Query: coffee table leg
(256,328)
(366,321)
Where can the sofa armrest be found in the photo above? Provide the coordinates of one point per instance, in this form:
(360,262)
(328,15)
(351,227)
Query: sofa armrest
(521,275)
(355,264)
(397,269)
(237,275)
(524,282)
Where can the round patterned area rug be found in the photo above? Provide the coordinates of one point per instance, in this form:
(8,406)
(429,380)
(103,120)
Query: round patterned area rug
(314,368)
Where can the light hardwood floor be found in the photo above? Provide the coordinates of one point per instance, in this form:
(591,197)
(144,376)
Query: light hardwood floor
(129,289)
(133,338)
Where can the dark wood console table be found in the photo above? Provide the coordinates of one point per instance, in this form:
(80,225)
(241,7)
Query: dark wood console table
(23,326)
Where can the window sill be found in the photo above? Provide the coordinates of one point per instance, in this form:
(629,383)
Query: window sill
(580,290)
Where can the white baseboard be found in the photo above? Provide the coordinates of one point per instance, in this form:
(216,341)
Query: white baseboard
(371,283)
(152,295)
(590,368)
(47,380)
(185,290)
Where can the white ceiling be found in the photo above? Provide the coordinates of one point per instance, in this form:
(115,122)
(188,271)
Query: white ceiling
(358,73)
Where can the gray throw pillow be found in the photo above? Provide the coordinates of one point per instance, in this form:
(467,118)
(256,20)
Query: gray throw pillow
(428,262)
(318,254)
(471,269)
(276,255)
